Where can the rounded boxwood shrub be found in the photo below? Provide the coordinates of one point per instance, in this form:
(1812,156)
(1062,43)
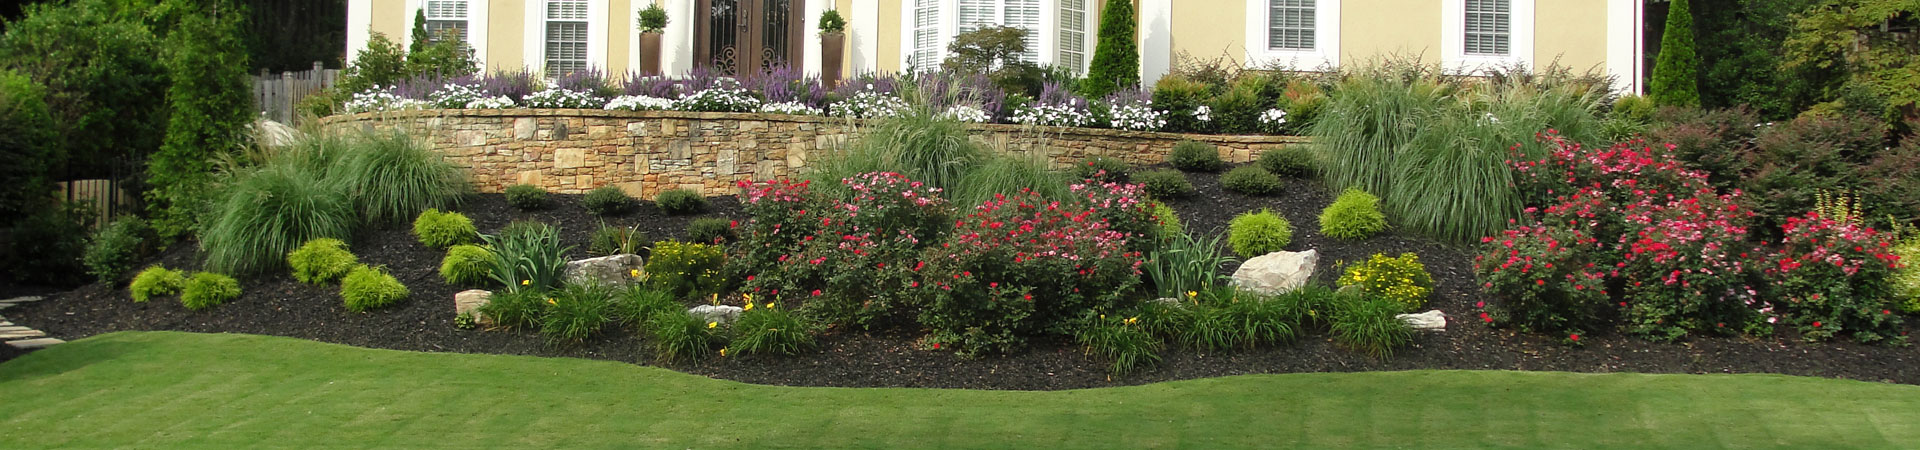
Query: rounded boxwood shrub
(1403,280)
(1289,161)
(1251,180)
(608,201)
(466,265)
(680,202)
(526,196)
(1355,215)
(370,287)
(1255,234)
(207,289)
(1165,183)
(444,229)
(321,260)
(1168,221)
(1193,156)
(1102,168)
(156,281)
(1906,279)
(114,248)
(710,231)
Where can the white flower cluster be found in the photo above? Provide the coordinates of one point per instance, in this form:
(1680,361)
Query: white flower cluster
(719,99)
(869,105)
(1053,115)
(966,113)
(1204,113)
(795,108)
(495,102)
(379,99)
(1137,117)
(1272,119)
(467,96)
(639,103)
(557,97)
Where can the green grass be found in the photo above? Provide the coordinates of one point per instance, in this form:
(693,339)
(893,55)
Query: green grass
(150,390)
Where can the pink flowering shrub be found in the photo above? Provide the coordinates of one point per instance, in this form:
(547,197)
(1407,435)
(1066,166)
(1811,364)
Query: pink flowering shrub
(1544,278)
(843,259)
(1832,277)
(1124,207)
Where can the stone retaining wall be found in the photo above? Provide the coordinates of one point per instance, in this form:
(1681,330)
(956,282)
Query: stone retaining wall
(643,152)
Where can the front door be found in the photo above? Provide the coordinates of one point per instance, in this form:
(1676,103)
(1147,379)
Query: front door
(746,37)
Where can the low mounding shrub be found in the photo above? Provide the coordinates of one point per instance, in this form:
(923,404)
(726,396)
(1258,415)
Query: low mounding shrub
(1906,279)
(1543,277)
(367,288)
(607,201)
(43,247)
(1354,215)
(1369,325)
(1102,168)
(1291,161)
(391,176)
(680,202)
(1255,234)
(771,330)
(115,247)
(527,255)
(207,289)
(686,269)
(710,231)
(1165,184)
(679,335)
(321,260)
(517,309)
(444,229)
(612,240)
(268,212)
(1122,339)
(1251,180)
(1403,280)
(156,281)
(526,196)
(466,265)
(1833,277)
(1168,221)
(1195,156)
(576,312)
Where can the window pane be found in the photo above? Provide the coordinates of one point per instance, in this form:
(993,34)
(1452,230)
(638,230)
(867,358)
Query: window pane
(1290,25)
(1488,27)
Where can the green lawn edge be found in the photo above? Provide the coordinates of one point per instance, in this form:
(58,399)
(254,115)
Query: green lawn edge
(172,389)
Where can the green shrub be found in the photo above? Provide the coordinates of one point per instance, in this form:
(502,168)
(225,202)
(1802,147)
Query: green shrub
(1179,96)
(680,202)
(517,309)
(1290,161)
(1633,108)
(209,106)
(638,303)
(612,240)
(1165,184)
(391,176)
(115,247)
(1251,180)
(1369,325)
(156,281)
(444,229)
(771,330)
(207,289)
(1354,215)
(1102,168)
(1006,175)
(28,143)
(45,248)
(1310,307)
(710,231)
(1906,279)
(1185,263)
(1194,156)
(1255,234)
(321,260)
(1168,220)
(1116,57)
(679,335)
(466,265)
(526,196)
(1122,339)
(1403,280)
(1238,109)
(366,288)
(607,201)
(527,255)
(268,212)
(575,313)
(1675,71)
(686,269)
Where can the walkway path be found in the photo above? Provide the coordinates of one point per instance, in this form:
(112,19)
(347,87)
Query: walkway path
(19,336)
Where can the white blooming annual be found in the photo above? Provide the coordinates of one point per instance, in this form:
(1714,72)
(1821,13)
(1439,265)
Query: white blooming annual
(719,99)
(640,103)
(795,108)
(1070,114)
(869,105)
(558,97)
(1137,117)
(467,96)
(1272,119)
(494,102)
(966,113)
(380,99)
(1204,113)
(1490,119)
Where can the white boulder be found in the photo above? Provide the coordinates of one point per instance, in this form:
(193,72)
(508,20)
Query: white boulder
(1277,272)
(469,302)
(1427,321)
(614,270)
(716,313)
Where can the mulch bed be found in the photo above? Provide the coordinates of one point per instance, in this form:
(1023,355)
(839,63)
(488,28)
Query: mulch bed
(278,305)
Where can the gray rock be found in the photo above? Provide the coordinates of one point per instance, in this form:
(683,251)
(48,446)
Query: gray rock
(470,302)
(1277,272)
(615,270)
(716,313)
(1427,321)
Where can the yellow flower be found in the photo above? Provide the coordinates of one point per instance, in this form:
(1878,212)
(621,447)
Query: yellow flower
(711,325)
(1133,320)
(1192,294)
(526,282)
(749,298)
(550,302)
(633,273)
(749,306)
(723,352)
(769,305)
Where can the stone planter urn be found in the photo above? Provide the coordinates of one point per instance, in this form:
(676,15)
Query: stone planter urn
(832,53)
(650,53)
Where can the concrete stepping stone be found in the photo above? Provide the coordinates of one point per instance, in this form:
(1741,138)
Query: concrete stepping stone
(19,300)
(35,343)
(21,334)
(12,327)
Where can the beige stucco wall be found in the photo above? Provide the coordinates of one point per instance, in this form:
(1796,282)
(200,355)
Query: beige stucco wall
(391,19)
(506,44)
(620,35)
(1573,31)
(846,52)
(889,48)
(1207,29)
(1375,29)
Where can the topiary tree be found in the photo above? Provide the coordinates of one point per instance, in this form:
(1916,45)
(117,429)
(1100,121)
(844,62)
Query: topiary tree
(211,106)
(27,144)
(1116,58)
(1675,74)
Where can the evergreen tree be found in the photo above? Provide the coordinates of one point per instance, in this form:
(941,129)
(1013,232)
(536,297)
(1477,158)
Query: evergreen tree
(420,36)
(211,110)
(1116,58)
(1675,78)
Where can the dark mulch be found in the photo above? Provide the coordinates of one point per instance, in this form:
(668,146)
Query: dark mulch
(277,305)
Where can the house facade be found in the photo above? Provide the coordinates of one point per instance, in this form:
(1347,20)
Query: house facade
(896,35)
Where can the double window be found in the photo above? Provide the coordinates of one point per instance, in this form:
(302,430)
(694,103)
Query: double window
(566,36)
(1064,43)
(447,19)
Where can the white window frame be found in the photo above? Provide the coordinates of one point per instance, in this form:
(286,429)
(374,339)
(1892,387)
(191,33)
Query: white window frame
(476,27)
(1453,39)
(1045,51)
(534,47)
(1326,38)
(1088,24)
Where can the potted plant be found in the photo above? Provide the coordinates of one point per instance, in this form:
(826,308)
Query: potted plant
(833,39)
(653,21)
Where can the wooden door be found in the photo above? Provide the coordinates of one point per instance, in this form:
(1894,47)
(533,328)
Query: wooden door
(745,37)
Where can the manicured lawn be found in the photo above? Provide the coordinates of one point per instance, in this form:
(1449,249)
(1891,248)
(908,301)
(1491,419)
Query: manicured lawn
(163,389)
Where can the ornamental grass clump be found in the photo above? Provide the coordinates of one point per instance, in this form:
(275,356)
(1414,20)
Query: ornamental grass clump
(1251,180)
(638,303)
(391,176)
(321,261)
(267,212)
(1402,280)
(1254,234)
(576,312)
(1192,156)
(767,329)
(156,281)
(207,289)
(612,240)
(1370,325)
(444,229)
(1354,215)
(466,265)
(367,288)
(607,201)
(1165,184)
